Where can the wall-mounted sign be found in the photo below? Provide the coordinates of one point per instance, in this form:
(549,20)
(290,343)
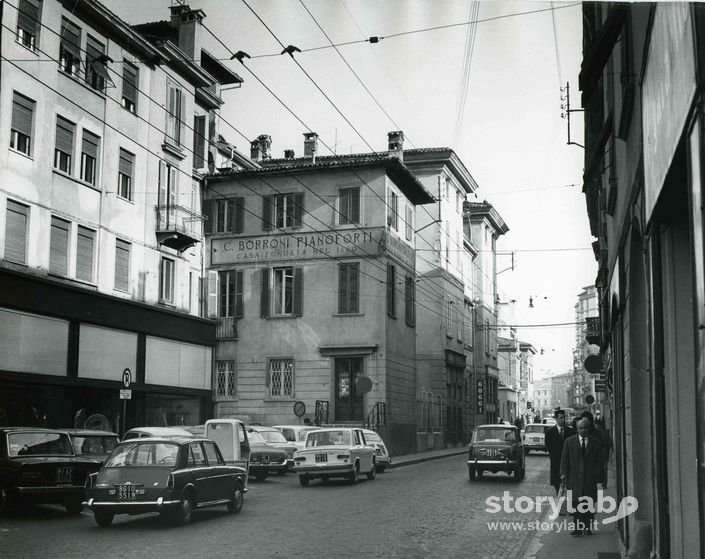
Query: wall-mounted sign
(480,396)
(299,408)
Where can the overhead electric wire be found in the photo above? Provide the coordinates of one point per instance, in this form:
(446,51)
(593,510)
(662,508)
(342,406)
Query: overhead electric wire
(471,34)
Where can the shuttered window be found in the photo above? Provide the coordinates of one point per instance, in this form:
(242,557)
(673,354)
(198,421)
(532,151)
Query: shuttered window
(28,26)
(16,221)
(230,215)
(70,48)
(199,141)
(283,295)
(349,288)
(63,151)
(129,86)
(85,250)
(394,211)
(282,210)
(391,291)
(166,281)
(59,246)
(175,114)
(230,294)
(96,71)
(123,249)
(126,165)
(409,222)
(349,206)
(21,127)
(89,157)
(410,301)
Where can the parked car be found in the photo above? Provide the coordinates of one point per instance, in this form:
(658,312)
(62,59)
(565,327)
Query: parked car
(40,466)
(335,452)
(534,437)
(142,432)
(382,456)
(275,438)
(265,459)
(90,443)
(296,434)
(171,476)
(496,448)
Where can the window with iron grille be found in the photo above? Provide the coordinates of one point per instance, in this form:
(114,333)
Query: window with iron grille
(28,25)
(21,126)
(225,380)
(70,48)
(281,378)
(349,205)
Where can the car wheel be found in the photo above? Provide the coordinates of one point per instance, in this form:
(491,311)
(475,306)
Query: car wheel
(103,518)
(472,474)
(355,475)
(235,505)
(373,472)
(380,469)
(303,480)
(73,506)
(183,513)
(261,477)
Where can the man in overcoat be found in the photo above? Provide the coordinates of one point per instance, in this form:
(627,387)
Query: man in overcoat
(555,438)
(581,470)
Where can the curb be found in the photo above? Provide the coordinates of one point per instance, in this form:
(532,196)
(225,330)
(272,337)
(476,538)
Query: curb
(418,459)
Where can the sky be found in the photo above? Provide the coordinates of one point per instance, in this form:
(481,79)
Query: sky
(486,79)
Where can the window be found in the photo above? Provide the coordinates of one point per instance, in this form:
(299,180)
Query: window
(225,380)
(175,112)
(16,221)
(349,288)
(199,141)
(59,246)
(391,291)
(70,48)
(349,205)
(89,157)
(487,337)
(28,25)
(282,292)
(168,185)
(410,301)
(449,316)
(85,249)
(123,249)
(21,127)
(281,378)
(409,222)
(393,220)
(63,150)
(129,86)
(96,72)
(282,210)
(196,456)
(125,173)
(229,215)
(166,280)
(230,296)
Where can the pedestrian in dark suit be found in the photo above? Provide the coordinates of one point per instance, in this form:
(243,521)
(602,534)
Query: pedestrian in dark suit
(555,437)
(581,470)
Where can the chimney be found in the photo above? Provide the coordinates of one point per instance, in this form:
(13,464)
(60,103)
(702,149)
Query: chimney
(260,149)
(310,145)
(395,142)
(187,24)
(289,154)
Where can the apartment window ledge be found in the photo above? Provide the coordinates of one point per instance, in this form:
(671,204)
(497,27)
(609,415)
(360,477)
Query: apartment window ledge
(23,154)
(76,179)
(345,314)
(78,78)
(172,149)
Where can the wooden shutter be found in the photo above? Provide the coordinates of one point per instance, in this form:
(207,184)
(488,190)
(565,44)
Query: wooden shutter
(298,209)
(354,288)
(264,296)
(85,242)
(344,209)
(238,294)
(64,135)
(22,111)
(298,291)
(267,202)
(16,232)
(182,118)
(390,289)
(230,215)
(239,215)
(212,293)
(354,205)
(122,265)
(199,141)
(209,212)
(342,288)
(129,82)
(59,246)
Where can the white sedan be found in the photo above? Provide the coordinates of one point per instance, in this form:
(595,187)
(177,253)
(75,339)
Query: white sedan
(335,452)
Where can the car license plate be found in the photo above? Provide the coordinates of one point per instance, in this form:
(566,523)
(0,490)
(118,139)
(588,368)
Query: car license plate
(491,452)
(127,492)
(322,457)
(64,475)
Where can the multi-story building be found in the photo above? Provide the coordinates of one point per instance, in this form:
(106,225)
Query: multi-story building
(314,289)
(508,360)
(101,251)
(642,91)
(526,375)
(583,384)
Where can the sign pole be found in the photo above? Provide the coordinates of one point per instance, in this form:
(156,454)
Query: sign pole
(125,394)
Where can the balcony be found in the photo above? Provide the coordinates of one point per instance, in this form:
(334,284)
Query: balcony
(226,328)
(592,330)
(178,227)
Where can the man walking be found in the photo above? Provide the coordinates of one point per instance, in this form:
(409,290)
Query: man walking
(555,437)
(581,470)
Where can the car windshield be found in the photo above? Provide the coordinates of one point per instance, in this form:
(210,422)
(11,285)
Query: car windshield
(494,435)
(372,438)
(272,436)
(534,429)
(44,444)
(326,438)
(94,444)
(143,454)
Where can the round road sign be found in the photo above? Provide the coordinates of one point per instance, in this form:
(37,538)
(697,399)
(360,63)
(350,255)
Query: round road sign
(363,385)
(126,378)
(299,408)
(589,399)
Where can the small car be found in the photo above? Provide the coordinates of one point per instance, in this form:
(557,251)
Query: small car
(534,437)
(296,434)
(382,457)
(275,438)
(171,476)
(335,452)
(40,466)
(142,432)
(496,448)
(265,459)
(93,444)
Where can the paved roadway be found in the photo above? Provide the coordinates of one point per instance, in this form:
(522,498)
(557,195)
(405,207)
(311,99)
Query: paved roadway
(428,509)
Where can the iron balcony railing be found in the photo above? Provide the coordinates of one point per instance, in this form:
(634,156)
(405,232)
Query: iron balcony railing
(178,227)
(226,328)
(592,330)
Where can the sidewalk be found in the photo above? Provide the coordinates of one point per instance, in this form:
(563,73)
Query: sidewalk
(408,459)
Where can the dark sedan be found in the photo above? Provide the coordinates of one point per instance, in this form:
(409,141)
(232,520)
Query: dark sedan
(171,476)
(496,448)
(265,459)
(40,466)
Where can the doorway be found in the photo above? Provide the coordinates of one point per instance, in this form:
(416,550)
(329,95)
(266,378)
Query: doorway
(348,403)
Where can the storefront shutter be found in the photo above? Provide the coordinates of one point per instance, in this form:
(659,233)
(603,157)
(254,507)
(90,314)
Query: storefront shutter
(16,232)
(22,111)
(59,246)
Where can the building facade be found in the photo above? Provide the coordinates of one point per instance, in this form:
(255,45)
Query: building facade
(101,252)
(642,81)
